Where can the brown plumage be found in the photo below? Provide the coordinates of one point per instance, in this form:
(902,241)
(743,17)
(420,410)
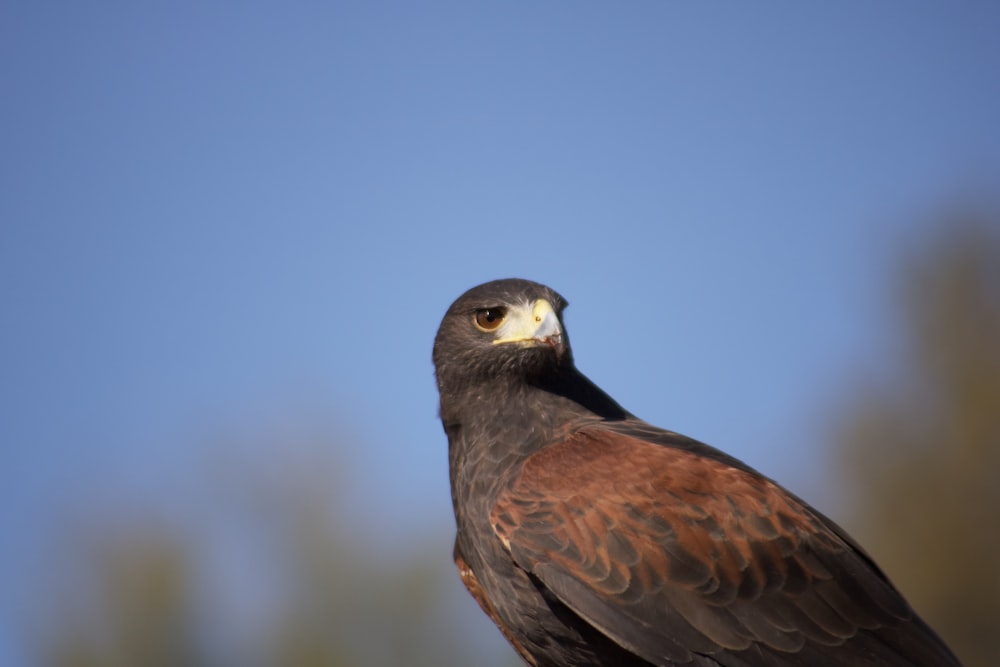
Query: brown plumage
(593,538)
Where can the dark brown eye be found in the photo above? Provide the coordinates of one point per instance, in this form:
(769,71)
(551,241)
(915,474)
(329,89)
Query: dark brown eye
(490,319)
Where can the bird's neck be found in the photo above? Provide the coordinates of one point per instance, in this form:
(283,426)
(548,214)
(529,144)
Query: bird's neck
(497,425)
(520,414)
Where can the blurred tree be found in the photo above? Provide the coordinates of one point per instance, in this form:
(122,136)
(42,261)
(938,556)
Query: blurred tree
(142,616)
(150,595)
(922,455)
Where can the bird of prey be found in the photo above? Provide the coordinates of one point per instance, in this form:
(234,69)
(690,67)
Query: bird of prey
(591,537)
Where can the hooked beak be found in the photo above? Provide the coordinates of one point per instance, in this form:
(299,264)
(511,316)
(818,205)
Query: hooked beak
(532,325)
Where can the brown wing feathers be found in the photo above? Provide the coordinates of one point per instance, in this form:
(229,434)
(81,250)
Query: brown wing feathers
(635,535)
(477,592)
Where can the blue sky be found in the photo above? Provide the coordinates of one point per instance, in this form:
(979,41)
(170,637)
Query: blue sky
(219,220)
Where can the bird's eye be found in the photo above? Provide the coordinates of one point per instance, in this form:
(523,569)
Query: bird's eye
(490,319)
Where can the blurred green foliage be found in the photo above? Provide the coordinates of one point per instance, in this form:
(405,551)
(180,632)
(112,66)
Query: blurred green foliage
(316,591)
(143,613)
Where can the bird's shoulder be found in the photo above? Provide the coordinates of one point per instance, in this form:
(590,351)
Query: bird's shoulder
(612,488)
(674,549)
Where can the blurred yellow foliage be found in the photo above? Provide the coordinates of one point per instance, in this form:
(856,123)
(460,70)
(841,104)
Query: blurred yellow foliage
(922,452)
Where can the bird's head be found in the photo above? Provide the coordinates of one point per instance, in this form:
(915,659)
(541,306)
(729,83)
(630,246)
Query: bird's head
(501,329)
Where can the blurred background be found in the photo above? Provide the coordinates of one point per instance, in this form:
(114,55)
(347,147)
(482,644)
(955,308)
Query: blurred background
(228,232)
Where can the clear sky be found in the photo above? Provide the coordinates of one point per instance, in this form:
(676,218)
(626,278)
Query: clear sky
(220,218)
